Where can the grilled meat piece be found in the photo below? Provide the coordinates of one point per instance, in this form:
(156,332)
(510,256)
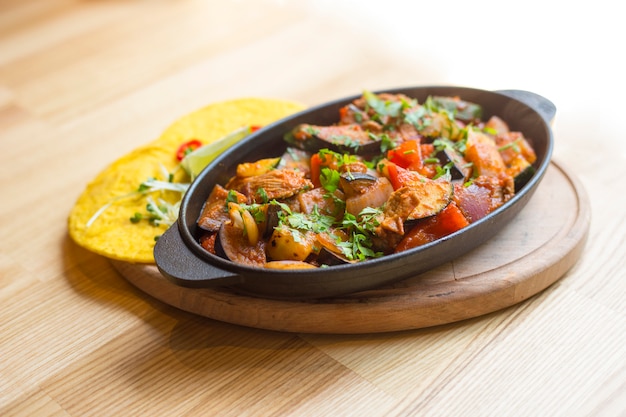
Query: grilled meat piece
(275,184)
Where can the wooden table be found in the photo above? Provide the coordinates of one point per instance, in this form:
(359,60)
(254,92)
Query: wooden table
(82,83)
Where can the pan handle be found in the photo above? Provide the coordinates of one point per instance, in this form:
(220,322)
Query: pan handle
(181,266)
(542,105)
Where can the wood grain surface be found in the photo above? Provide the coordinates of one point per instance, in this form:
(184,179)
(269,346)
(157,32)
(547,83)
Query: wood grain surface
(84,82)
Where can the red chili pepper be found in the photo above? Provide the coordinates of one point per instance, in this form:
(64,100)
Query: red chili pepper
(254,128)
(187,148)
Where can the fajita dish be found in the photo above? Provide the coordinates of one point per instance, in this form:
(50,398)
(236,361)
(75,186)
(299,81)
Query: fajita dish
(389,175)
(216,227)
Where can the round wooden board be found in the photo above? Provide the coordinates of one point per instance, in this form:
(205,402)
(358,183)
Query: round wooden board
(536,249)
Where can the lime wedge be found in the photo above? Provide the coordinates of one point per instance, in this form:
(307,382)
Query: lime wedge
(195,161)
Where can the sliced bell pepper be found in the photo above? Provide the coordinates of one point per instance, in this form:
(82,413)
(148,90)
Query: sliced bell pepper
(400,177)
(446,222)
(187,148)
(321,160)
(407,155)
(316,169)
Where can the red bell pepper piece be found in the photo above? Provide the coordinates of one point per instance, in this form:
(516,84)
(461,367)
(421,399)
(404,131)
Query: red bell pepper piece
(187,148)
(446,222)
(400,177)
(407,155)
(316,169)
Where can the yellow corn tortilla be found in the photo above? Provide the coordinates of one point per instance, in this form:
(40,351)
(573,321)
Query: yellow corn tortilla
(112,234)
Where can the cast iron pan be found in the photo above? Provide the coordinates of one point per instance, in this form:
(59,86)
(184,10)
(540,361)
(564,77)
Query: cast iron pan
(181,259)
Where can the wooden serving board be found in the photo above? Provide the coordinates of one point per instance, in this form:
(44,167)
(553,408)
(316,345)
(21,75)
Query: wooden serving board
(532,252)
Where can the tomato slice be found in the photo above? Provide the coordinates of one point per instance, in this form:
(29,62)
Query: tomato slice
(187,148)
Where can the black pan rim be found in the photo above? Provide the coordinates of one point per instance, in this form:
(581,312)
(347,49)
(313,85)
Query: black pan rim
(383,263)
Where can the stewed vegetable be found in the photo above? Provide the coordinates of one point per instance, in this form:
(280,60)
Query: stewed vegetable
(390,175)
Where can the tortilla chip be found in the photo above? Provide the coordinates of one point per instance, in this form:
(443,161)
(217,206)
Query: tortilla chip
(111,233)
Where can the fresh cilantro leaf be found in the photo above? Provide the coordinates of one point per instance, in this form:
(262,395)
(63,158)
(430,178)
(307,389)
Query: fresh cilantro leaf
(383,107)
(329,178)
